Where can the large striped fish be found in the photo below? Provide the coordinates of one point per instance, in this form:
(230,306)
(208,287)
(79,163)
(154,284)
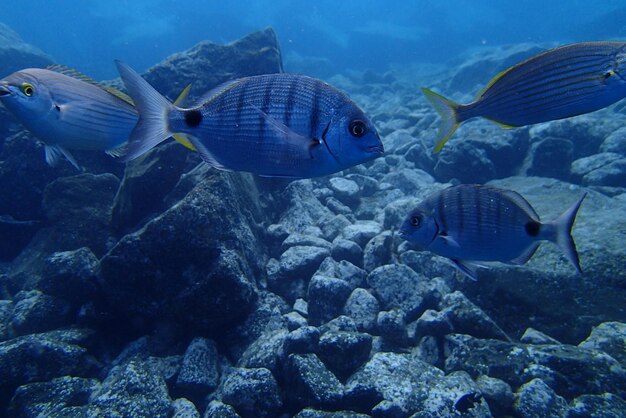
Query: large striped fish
(556,84)
(275,125)
(468,223)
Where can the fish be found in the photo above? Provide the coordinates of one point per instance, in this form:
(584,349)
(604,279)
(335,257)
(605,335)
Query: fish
(556,84)
(470,223)
(67,110)
(272,125)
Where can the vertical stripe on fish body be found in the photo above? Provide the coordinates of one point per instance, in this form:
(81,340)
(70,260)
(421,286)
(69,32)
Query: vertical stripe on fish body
(469,223)
(279,125)
(560,83)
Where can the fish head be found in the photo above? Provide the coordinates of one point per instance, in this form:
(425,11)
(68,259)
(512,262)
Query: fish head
(352,138)
(419,227)
(24,94)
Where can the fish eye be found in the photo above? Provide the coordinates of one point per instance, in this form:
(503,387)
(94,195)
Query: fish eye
(416,220)
(27,89)
(357,128)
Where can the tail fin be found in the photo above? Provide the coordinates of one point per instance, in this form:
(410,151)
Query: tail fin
(447,109)
(564,238)
(153,108)
(181,101)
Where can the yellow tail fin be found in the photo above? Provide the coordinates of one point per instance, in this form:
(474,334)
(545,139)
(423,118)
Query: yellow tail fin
(180,102)
(447,109)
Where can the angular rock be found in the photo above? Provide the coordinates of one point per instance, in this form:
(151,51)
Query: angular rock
(199,373)
(377,252)
(409,181)
(35,311)
(467,318)
(252,392)
(183,408)
(532,336)
(266,351)
(303,340)
(344,352)
(363,308)
(605,405)
(294,321)
(295,268)
(217,409)
(301,240)
(550,157)
(434,323)
(326,298)
(15,54)
(332,226)
(70,275)
(612,175)
(348,250)
(615,142)
(535,399)
(303,208)
(497,393)
(361,232)
(314,413)
(586,165)
(609,337)
(392,326)
(345,190)
(343,270)
(462,161)
(311,383)
(341,323)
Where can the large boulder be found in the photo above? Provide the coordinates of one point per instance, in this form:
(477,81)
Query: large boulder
(15,54)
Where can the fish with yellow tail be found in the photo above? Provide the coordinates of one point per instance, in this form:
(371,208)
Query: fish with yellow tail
(559,83)
(471,223)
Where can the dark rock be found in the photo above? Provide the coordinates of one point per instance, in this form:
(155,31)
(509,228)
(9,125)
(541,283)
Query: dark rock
(183,408)
(535,399)
(267,351)
(252,392)
(21,232)
(303,340)
(133,389)
(363,308)
(344,352)
(343,270)
(295,268)
(392,326)
(217,409)
(377,252)
(435,323)
(70,275)
(606,405)
(314,413)
(420,154)
(295,321)
(550,157)
(195,263)
(199,373)
(465,163)
(467,318)
(275,235)
(388,409)
(609,337)
(497,393)
(311,383)
(15,54)
(361,232)
(326,298)
(575,371)
(344,249)
(397,286)
(341,323)
(50,398)
(207,64)
(6,312)
(168,367)
(35,311)
(427,350)
(146,182)
(532,336)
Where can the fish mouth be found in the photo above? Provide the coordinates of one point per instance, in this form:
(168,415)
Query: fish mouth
(376,149)
(4,90)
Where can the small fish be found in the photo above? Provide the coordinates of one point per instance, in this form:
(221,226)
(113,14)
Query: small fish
(467,401)
(468,223)
(556,84)
(274,125)
(67,110)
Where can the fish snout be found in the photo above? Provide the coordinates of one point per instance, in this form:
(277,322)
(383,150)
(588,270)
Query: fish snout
(4,89)
(376,149)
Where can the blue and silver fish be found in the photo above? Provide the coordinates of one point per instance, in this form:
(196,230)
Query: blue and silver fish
(469,223)
(67,111)
(556,84)
(275,125)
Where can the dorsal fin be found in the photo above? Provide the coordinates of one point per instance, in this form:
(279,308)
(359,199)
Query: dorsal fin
(220,89)
(520,201)
(61,69)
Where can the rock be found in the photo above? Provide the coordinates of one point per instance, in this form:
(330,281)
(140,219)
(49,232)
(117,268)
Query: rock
(420,154)
(344,352)
(586,165)
(343,270)
(613,175)
(397,286)
(460,160)
(344,249)
(409,181)
(326,298)
(183,408)
(301,240)
(303,209)
(21,232)
(53,397)
(35,311)
(267,351)
(429,264)
(605,405)
(199,373)
(427,350)
(532,336)
(133,389)
(252,392)
(347,191)
(609,337)
(332,226)
(311,383)
(377,251)
(615,142)
(303,340)
(6,312)
(207,64)
(301,306)
(217,409)
(535,399)
(363,308)
(341,323)
(195,263)
(550,157)
(361,232)
(467,318)
(70,275)
(295,320)
(497,393)
(295,268)
(392,326)
(15,54)
(575,371)
(314,413)
(367,184)
(434,323)
(394,213)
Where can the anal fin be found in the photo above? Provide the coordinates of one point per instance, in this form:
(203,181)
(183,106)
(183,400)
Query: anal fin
(54,153)
(468,268)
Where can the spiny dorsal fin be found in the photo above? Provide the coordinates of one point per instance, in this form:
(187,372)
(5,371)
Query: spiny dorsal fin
(70,72)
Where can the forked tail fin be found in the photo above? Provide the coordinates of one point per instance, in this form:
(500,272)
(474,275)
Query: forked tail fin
(564,238)
(447,109)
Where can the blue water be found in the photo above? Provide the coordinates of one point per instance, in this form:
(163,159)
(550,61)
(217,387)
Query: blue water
(351,34)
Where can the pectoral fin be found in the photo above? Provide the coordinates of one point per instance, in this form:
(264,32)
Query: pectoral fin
(54,153)
(449,240)
(468,268)
(289,136)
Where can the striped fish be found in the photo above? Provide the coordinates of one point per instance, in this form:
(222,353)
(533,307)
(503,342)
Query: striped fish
(67,111)
(468,223)
(556,84)
(275,125)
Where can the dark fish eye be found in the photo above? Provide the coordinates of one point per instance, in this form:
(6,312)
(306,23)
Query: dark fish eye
(27,89)
(416,220)
(357,128)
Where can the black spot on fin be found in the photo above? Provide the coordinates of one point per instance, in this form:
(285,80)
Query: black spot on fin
(193,118)
(533,228)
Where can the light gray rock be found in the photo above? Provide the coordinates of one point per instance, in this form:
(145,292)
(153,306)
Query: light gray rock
(361,232)
(348,250)
(609,337)
(332,226)
(532,336)
(377,252)
(217,409)
(184,408)
(615,142)
(199,372)
(497,393)
(311,383)
(467,318)
(344,352)
(343,270)
(586,165)
(363,308)
(345,190)
(535,399)
(326,298)
(294,320)
(294,240)
(605,405)
(295,268)
(612,175)
(411,182)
